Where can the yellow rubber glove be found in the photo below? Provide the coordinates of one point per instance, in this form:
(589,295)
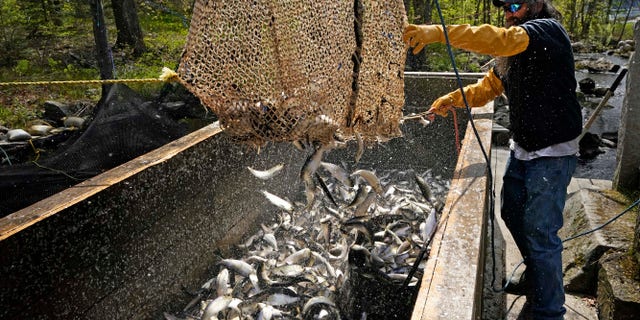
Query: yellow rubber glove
(418,36)
(483,39)
(478,94)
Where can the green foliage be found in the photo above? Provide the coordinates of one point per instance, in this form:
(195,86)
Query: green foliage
(21,67)
(12,30)
(41,41)
(17,116)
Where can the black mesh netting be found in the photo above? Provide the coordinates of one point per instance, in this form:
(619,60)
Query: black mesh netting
(123,127)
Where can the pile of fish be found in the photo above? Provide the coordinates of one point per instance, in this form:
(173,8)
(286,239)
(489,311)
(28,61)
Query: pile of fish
(358,241)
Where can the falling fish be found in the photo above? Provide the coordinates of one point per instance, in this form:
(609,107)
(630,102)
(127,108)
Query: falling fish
(339,173)
(386,236)
(266,174)
(278,202)
(309,168)
(371,178)
(428,228)
(424,188)
(360,150)
(363,208)
(361,195)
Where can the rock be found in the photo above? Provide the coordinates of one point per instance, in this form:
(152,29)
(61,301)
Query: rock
(590,146)
(625,47)
(54,111)
(39,129)
(608,143)
(587,85)
(610,136)
(16,135)
(600,91)
(74,122)
(618,293)
(580,47)
(584,210)
(596,66)
(4,129)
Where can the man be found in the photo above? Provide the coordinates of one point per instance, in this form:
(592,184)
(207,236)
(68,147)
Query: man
(535,69)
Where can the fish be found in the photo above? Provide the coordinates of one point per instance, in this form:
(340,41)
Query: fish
(270,239)
(325,189)
(222,282)
(309,168)
(266,174)
(330,269)
(360,150)
(363,227)
(288,270)
(299,256)
(324,231)
(338,173)
(215,306)
(371,179)
(380,236)
(278,202)
(361,195)
(428,228)
(341,249)
(424,188)
(268,312)
(238,266)
(316,301)
(363,207)
(281,299)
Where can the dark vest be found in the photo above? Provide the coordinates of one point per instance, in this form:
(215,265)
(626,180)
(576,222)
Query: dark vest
(541,87)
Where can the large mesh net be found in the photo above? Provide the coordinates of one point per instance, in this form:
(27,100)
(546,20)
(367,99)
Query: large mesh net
(287,70)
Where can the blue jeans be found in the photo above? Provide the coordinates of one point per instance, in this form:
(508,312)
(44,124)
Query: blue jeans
(533,198)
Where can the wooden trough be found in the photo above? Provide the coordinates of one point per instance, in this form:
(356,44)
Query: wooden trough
(125,244)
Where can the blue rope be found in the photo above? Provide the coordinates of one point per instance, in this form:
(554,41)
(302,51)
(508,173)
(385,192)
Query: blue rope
(475,131)
(604,224)
(6,156)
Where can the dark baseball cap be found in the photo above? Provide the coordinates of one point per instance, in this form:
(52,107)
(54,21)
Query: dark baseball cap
(501,3)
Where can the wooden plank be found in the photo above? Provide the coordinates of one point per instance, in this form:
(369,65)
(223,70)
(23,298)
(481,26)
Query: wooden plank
(22,219)
(452,282)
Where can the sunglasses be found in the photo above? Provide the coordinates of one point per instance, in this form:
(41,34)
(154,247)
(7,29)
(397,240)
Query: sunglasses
(512,7)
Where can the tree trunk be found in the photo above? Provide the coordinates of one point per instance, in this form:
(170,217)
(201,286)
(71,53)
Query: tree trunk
(128,26)
(626,19)
(422,10)
(594,12)
(103,53)
(572,17)
(56,11)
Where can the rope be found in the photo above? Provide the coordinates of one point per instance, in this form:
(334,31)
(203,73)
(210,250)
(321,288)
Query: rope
(6,156)
(571,238)
(455,126)
(167,75)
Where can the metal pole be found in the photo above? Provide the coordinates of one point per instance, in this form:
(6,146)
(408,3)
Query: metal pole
(602,103)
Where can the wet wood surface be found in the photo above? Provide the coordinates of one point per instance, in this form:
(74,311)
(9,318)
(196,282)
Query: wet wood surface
(452,282)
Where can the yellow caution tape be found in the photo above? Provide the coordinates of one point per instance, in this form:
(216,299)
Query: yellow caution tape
(167,75)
